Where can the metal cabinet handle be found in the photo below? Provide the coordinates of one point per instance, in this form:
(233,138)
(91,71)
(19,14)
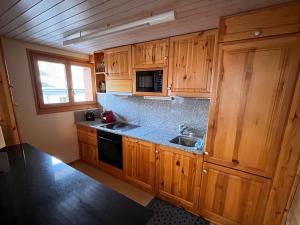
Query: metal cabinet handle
(204,171)
(206,153)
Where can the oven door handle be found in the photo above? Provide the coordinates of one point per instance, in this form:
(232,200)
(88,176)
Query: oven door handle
(106,139)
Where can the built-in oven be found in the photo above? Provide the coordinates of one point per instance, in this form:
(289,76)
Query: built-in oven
(110,148)
(149,80)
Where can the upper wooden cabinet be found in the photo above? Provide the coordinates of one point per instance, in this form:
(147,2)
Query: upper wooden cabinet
(191,64)
(151,54)
(178,176)
(139,163)
(118,63)
(252,95)
(275,20)
(232,197)
(118,69)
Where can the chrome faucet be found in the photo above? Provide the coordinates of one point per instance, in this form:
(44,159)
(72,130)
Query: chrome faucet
(182,128)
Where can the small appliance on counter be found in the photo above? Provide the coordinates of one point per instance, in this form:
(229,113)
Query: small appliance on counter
(89,116)
(108,117)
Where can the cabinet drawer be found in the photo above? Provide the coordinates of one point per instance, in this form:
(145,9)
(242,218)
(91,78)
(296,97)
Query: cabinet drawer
(87,139)
(87,130)
(275,20)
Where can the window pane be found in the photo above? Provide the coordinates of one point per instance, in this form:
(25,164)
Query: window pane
(82,83)
(54,82)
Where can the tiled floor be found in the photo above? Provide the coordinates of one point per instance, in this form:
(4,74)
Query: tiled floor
(116,184)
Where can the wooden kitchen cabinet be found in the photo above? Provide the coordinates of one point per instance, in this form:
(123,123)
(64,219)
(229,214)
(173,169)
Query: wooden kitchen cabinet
(191,64)
(88,153)
(252,95)
(118,69)
(232,197)
(139,163)
(178,176)
(270,21)
(87,139)
(151,54)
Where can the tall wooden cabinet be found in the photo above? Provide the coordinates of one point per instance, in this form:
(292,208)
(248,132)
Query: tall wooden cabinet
(191,64)
(139,163)
(253,90)
(178,176)
(232,197)
(118,69)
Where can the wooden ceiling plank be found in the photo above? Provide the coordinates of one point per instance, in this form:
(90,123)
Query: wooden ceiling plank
(62,18)
(29,15)
(16,11)
(77,21)
(108,17)
(55,11)
(7,5)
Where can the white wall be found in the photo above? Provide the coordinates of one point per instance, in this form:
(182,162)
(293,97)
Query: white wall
(54,133)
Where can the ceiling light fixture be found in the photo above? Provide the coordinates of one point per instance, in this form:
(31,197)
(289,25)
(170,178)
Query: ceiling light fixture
(153,20)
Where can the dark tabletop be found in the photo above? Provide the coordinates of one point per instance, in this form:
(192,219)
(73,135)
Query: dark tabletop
(36,189)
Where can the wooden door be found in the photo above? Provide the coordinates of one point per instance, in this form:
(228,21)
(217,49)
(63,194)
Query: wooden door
(118,63)
(151,54)
(139,163)
(191,64)
(178,175)
(232,197)
(252,94)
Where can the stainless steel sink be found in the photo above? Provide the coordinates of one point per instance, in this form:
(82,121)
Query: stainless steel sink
(185,141)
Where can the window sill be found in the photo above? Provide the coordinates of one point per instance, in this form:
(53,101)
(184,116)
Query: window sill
(57,109)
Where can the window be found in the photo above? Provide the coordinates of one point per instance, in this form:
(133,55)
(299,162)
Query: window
(61,83)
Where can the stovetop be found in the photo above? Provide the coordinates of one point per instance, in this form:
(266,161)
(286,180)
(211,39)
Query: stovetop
(120,126)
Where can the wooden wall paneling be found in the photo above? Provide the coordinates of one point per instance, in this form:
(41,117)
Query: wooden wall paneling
(250,103)
(232,197)
(7,114)
(287,165)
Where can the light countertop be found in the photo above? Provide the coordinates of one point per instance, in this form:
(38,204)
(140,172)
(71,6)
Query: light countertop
(144,133)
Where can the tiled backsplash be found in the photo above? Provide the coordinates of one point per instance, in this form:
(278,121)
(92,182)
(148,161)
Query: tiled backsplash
(163,115)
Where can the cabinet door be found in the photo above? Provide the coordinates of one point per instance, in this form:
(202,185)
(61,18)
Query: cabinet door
(253,90)
(178,176)
(232,197)
(139,163)
(151,54)
(88,153)
(118,63)
(190,64)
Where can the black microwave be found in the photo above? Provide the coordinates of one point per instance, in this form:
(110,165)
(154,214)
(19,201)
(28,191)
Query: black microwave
(149,81)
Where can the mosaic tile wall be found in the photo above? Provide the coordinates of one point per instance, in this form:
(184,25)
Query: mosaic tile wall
(163,115)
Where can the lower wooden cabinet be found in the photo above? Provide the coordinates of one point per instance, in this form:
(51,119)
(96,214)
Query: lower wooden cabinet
(87,139)
(178,176)
(232,197)
(88,153)
(139,163)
